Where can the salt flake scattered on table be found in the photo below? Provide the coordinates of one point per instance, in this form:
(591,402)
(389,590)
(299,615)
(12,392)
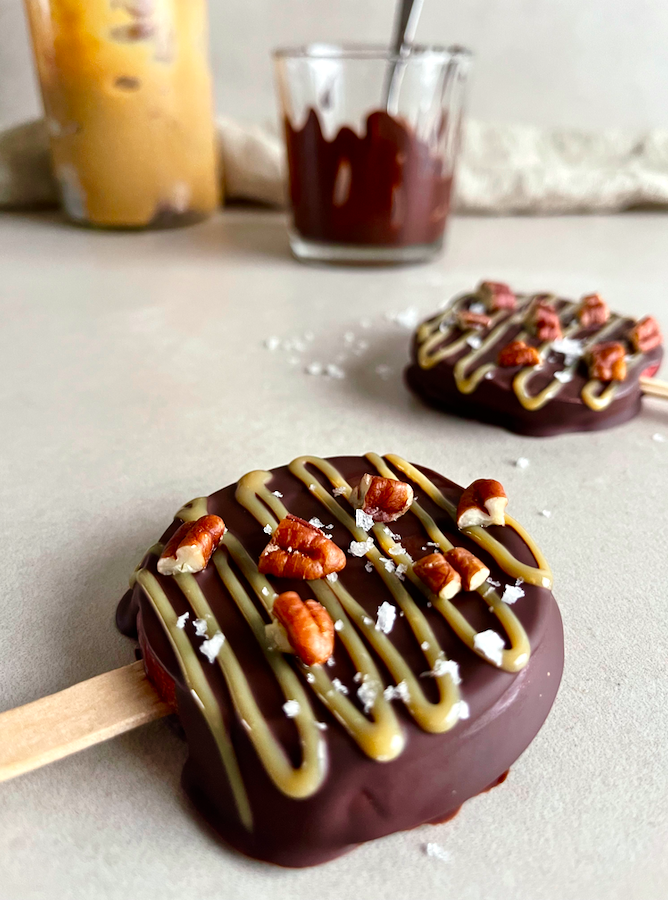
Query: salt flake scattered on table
(359,548)
(385,617)
(546,513)
(659,438)
(314,368)
(181,621)
(407,318)
(211,648)
(522,462)
(363,520)
(291,708)
(437,852)
(490,645)
(383,371)
(334,371)
(272,343)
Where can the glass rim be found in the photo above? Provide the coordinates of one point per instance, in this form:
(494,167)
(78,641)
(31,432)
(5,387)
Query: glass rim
(415,52)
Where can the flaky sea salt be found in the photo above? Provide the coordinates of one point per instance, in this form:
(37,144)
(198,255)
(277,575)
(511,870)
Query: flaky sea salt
(340,491)
(522,462)
(407,318)
(315,521)
(201,627)
(659,438)
(339,686)
(569,348)
(181,621)
(478,308)
(490,644)
(291,708)
(338,625)
(546,513)
(211,648)
(363,520)
(268,529)
(366,694)
(462,708)
(400,692)
(564,376)
(474,341)
(334,371)
(332,577)
(385,617)
(437,852)
(272,343)
(444,667)
(512,593)
(401,571)
(368,566)
(359,548)
(277,494)
(314,368)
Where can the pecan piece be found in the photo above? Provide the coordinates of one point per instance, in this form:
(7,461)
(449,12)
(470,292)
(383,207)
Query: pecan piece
(384,499)
(439,576)
(482,503)
(607,361)
(308,626)
(593,311)
(645,335)
(472,571)
(497,295)
(299,550)
(191,546)
(518,353)
(544,320)
(467,319)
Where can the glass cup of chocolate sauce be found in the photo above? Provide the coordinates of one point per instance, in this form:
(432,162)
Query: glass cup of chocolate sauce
(372,140)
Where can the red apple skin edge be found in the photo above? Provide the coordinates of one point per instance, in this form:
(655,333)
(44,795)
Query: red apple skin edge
(161,680)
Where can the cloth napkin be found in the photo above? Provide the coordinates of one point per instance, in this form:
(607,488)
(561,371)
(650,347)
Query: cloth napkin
(503,169)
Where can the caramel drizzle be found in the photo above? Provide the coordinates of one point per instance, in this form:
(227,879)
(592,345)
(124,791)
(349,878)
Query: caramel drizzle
(379,734)
(432,350)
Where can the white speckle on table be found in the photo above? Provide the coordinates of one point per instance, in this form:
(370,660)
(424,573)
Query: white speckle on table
(546,513)
(521,462)
(437,852)
(272,343)
(407,318)
(334,371)
(291,708)
(490,644)
(659,438)
(314,368)
(383,371)
(385,617)
(211,648)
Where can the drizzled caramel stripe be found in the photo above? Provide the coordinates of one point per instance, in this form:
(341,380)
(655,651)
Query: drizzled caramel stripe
(513,659)
(197,684)
(299,782)
(432,717)
(540,575)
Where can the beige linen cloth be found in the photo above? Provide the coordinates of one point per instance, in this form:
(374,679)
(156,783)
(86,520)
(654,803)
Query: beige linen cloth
(503,169)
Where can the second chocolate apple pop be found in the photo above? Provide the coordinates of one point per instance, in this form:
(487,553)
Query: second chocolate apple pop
(534,363)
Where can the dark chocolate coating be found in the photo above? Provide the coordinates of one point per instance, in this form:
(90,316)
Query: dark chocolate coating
(494,399)
(361,798)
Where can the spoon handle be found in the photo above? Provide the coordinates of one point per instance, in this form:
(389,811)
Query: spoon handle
(405,26)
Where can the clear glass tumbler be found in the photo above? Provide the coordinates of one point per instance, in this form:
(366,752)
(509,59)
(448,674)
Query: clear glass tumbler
(372,141)
(128,100)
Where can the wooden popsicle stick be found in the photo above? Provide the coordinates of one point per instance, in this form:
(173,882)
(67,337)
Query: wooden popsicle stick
(78,717)
(654,388)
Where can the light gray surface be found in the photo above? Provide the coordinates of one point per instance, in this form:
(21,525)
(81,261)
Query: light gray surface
(133,377)
(586,63)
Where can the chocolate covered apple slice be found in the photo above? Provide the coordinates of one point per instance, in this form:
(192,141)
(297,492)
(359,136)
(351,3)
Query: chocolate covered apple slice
(359,647)
(536,364)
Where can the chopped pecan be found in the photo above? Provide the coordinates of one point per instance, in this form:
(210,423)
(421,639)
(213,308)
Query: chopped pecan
(468,319)
(607,361)
(593,311)
(191,546)
(308,626)
(544,320)
(471,570)
(482,503)
(497,296)
(439,576)
(518,353)
(645,335)
(299,550)
(384,499)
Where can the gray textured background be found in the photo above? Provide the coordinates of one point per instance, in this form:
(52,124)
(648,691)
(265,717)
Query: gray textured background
(591,63)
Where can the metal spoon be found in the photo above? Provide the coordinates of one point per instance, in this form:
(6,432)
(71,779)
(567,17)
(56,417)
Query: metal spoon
(405,26)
